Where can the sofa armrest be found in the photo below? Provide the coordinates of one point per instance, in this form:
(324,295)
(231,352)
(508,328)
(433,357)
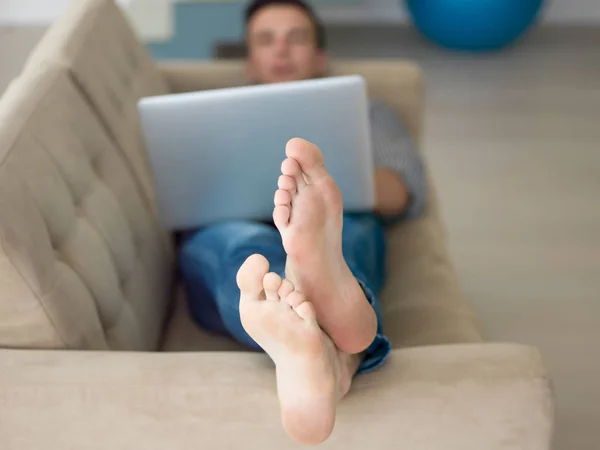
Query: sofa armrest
(476,396)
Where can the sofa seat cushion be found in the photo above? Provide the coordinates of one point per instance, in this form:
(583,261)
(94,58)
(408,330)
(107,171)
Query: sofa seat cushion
(422,302)
(463,397)
(184,335)
(81,260)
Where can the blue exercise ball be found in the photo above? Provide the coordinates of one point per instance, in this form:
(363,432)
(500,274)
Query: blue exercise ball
(473,25)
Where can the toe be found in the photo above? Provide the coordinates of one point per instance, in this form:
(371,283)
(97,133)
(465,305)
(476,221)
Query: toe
(291,168)
(271,284)
(287,287)
(281,216)
(282,198)
(309,158)
(251,274)
(287,183)
(295,299)
(306,310)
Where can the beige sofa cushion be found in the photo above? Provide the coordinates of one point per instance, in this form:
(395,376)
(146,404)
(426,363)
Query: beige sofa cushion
(184,335)
(113,70)
(462,397)
(81,260)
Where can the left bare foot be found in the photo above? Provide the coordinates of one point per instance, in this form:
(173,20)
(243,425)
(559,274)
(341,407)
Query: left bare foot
(312,374)
(309,215)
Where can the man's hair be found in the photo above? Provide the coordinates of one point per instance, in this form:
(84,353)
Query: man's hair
(257,5)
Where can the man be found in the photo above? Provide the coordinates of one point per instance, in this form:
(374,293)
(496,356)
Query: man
(306,289)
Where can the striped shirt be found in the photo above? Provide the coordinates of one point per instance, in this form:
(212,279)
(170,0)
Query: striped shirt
(394,149)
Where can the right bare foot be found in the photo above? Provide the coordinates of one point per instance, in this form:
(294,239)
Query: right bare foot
(312,374)
(308,215)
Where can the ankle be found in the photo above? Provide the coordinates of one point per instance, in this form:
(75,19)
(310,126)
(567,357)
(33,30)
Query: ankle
(347,367)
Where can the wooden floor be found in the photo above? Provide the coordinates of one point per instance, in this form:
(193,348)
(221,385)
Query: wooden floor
(513,141)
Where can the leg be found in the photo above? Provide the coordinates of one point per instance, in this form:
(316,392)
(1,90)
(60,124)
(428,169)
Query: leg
(308,214)
(209,260)
(312,374)
(364,248)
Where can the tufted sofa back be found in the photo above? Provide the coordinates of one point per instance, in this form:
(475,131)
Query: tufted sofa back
(82,260)
(111,68)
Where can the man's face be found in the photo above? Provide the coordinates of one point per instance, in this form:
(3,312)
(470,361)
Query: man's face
(282,46)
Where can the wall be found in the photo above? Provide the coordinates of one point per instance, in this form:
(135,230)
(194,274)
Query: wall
(198,27)
(33,12)
(392,11)
(379,11)
(192,28)
(574,11)
(30,11)
(559,11)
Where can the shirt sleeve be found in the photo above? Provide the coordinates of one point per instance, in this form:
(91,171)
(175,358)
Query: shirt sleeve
(394,149)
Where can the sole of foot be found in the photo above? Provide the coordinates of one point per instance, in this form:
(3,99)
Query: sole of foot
(311,375)
(309,216)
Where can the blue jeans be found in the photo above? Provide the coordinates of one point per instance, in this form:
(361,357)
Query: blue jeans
(211,257)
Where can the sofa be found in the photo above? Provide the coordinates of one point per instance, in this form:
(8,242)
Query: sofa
(97,348)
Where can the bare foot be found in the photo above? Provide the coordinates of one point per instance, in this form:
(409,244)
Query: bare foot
(312,375)
(309,215)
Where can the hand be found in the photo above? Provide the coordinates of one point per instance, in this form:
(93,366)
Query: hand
(391,193)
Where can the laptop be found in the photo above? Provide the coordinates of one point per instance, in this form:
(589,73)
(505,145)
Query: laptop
(216,155)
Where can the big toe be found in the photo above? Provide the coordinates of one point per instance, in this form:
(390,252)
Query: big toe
(309,156)
(251,274)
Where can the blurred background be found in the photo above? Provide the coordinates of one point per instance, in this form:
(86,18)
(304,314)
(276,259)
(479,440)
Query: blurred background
(513,143)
